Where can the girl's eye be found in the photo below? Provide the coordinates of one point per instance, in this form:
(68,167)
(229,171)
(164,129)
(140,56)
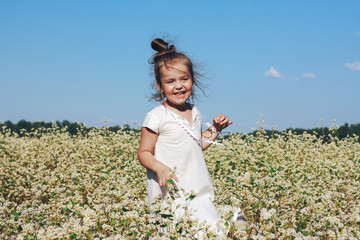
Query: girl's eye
(185,79)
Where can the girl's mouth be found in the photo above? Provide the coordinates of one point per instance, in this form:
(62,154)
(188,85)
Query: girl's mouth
(180,94)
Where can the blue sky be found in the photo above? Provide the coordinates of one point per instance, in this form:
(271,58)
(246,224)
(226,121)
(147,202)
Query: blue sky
(295,62)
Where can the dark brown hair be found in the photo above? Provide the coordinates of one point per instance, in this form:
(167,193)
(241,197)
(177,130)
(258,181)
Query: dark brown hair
(167,54)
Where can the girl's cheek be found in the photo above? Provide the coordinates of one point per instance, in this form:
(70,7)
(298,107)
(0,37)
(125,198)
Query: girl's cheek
(190,85)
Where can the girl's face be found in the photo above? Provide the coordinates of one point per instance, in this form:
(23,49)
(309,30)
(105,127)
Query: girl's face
(176,83)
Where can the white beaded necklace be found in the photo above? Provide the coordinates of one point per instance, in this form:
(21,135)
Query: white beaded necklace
(181,121)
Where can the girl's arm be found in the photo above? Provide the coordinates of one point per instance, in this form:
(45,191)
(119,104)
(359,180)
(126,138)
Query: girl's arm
(219,123)
(147,159)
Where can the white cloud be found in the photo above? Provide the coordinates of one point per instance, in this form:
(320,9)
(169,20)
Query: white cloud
(353,66)
(309,75)
(273,73)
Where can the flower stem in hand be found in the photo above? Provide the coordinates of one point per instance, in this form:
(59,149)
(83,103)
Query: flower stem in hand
(165,174)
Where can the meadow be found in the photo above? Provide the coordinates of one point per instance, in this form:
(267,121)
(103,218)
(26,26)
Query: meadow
(92,186)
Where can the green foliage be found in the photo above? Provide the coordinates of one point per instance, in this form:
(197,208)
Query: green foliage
(324,133)
(73,128)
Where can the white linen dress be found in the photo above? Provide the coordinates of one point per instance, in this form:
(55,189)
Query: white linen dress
(178,146)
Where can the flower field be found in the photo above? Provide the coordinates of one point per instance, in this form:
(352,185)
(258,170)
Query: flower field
(88,186)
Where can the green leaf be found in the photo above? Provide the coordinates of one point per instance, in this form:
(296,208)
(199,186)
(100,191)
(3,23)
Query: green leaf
(16,215)
(167,216)
(257,205)
(191,197)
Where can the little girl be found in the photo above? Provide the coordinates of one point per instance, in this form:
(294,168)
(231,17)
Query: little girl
(171,136)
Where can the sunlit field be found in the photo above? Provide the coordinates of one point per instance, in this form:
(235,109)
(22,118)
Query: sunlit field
(58,186)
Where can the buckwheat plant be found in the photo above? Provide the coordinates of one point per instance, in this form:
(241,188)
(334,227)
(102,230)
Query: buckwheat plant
(92,186)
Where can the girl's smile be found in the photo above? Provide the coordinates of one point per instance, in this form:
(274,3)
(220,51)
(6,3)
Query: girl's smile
(180,94)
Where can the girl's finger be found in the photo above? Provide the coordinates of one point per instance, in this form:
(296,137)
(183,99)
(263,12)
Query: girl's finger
(224,121)
(228,123)
(218,118)
(175,178)
(225,124)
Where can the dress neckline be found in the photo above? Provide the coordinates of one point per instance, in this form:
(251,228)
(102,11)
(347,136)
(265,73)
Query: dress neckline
(194,115)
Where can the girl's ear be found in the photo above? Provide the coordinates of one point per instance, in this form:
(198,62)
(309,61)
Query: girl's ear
(160,90)
(158,86)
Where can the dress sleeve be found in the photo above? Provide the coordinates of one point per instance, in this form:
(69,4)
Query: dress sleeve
(152,122)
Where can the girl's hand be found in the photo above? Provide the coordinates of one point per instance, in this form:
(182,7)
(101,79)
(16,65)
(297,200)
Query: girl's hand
(164,174)
(221,122)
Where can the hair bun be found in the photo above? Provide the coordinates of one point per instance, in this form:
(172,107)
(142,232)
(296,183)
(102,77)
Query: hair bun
(162,49)
(159,45)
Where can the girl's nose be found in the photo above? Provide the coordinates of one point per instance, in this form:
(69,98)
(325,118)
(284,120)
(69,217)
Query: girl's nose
(178,84)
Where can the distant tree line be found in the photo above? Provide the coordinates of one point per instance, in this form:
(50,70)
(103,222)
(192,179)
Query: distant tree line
(324,132)
(73,128)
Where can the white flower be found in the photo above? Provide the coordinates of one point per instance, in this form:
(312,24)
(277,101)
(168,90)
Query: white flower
(265,214)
